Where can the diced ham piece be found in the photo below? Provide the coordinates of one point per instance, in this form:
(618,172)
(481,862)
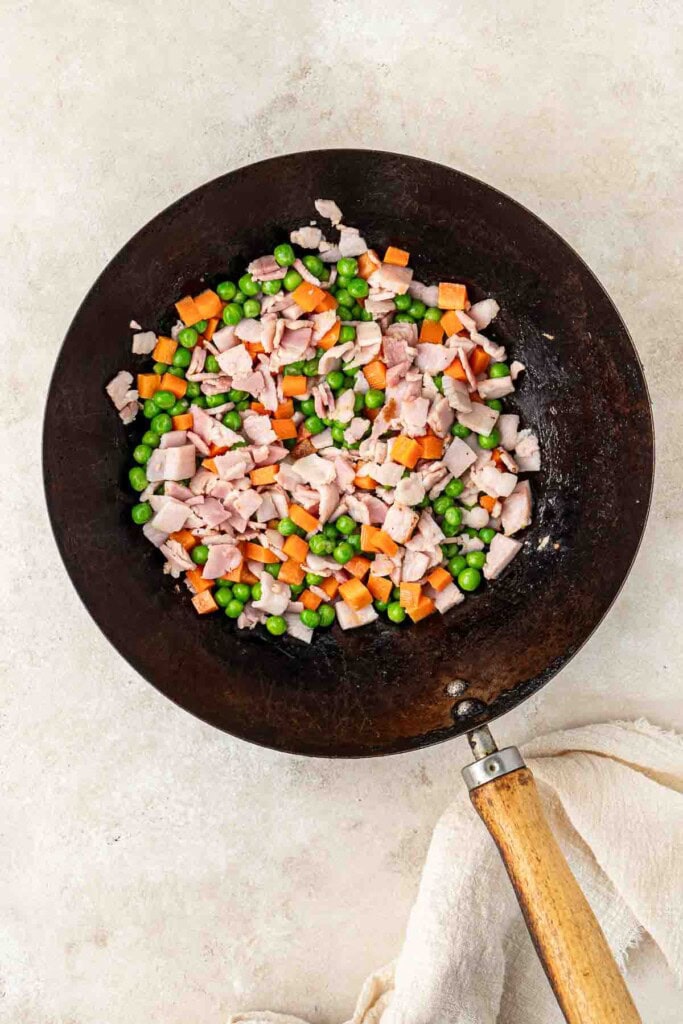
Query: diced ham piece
(266,268)
(447,598)
(223,339)
(480,419)
(400,523)
(351,243)
(223,558)
(413,414)
(314,470)
(379,307)
(415,565)
(258,429)
(275,596)
(495,483)
(497,352)
(516,368)
(458,457)
(171,463)
(177,558)
(410,491)
(211,431)
(501,552)
(123,396)
(457,394)
(307,237)
(495,387)
(392,278)
(173,439)
(527,452)
(332,359)
(247,503)
(388,474)
(236,360)
(508,425)
(433,359)
(343,409)
(350,619)
(476,517)
(328,209)
(429,294)
(516,513)
(440,417)
(250,330)
(170,514)
(296,628)
(322,323)
(154,536)
(483,313)
(144,344)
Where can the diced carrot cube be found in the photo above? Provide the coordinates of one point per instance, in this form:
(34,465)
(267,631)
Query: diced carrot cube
(498,457)
(197,580)
(327,302)
(397,257)
(487,502)
(176,385)
(452,296)
(330,339)
(210,465)
(425,607)
(294,385)
(479,360)
(164,350)
(386,544)
(258,407)
(356,594)
(256,553)
(263,475)
(439,578)
(380,587)
(410,595)
(211,326)
(291,572)
(208,304)
(296,548)
(183,422)
(254,348)
(302,518)
(188,312)
(365,483)
(308,296)
(285,410)
(204,603)
(284,429)
(456,370)
(310,600)
(358,566)
(375,373)
(451,323)
(185,538)
(372,414)
(406,451)
(330,585)
(368,263)
(432,447)
(431,332)
(217,449)
(367,537)
(148,384)
(235,575)
(247,575)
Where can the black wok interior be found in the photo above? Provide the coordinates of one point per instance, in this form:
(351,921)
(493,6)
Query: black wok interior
(384,688)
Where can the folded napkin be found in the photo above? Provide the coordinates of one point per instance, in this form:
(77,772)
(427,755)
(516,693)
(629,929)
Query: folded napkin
(613,794)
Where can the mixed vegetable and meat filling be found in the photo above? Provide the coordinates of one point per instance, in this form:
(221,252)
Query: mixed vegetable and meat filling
(326,440)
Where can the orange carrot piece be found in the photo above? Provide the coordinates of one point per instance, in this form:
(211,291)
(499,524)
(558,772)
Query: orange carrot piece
(296,548)
(291,572)
(380,587)
(164,350)
(410,595)
(284,429)
(188,312)
(254,348)
(406,451)
(479,360)
(386,544)
(358,566)
(487,502)
(210,465)
(208,304)
(216,449)
(263,475)
(376,374)
(397,257)
(148,384)
(425,607)
(185,538)
(308,296)
(431,332)
(367,538)
(248,576)
(256,553)
(356,594)
(235,575)
(285,410)
(439,578)
(197,580)
(368,263)
(456,370)
(300,517)
(452,296)
(432,447)
(174,384)
(451,323)
(294,385)
(327,302)
(258,407)
(204,603)
(365,483)
(310,600)
(211,327)
(330,339)
(183,422)
(330,585)
(498,456)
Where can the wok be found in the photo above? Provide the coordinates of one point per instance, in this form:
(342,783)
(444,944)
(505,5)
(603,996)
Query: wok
(383,689)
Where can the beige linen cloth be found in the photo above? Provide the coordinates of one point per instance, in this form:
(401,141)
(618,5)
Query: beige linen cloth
(613,794)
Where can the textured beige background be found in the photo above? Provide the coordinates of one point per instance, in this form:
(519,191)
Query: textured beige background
(152,869)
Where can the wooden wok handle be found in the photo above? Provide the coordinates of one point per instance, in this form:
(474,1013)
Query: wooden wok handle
(567,937)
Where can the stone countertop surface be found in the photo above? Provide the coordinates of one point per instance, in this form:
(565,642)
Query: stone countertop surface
(154,870)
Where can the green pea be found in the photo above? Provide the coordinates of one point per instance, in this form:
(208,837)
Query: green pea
(347,266)
(347,333)
(200,554)
(320,544)
(454,488)
(314,425)
(232,420)
(256,592)
(201,326)
(374,399)
(453,517)
(276,625)
(469,530)
(271,287)
(252,308)
(149,409)
(176,371)
(442,504)
(433,314)
(182,358)
(310,618)
(314,264)
(293,369)
(326,614)
(460,430)
(286,527)
(351,371)
(212,365)
(142,453)
(284,255)
(366,316)
(242,591)
(160,368)
(403,303)
(496,404)
(324,274)
(345,524)
(235,395)
(489,441)
(310,368)
(223,596)
(476,559)
(138,478)
(359,402)
(487,534)
(345,313)
(343,552)
(200,402)
(381,606)
(456,565)
(335,378)
(150,438)
(141,513)
(469,579)
(499,370)
(404,318)
(417,309)
(290,442)
(358,288)
(248,286)
(330,531)
(438,382)
(338,434)
(193,390)
(354,541)
(234,609)
(240,298)
(213,401)
(449,550)
(297,588)
(164,399)
(232,314)
(396,612)
(424,503)
(292,280)
(450,529)
(161,423)
(243,405)
(344,298)
(226,290)
(188,337)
